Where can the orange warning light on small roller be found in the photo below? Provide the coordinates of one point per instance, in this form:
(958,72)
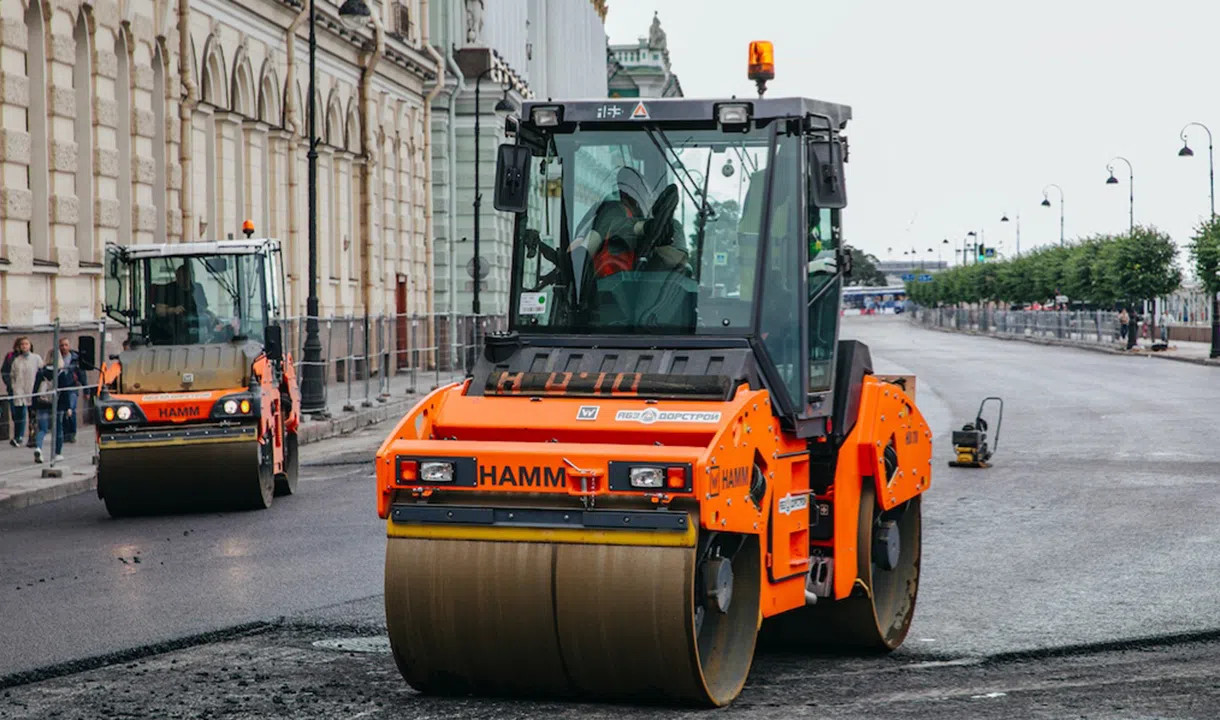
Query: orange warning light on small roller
(762,60)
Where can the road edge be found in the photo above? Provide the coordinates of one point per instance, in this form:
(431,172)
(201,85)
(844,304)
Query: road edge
(1069,344)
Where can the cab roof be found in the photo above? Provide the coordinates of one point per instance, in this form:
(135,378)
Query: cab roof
(241,246)
(629,110)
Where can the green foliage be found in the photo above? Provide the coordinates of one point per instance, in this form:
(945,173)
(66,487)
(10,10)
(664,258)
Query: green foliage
(1205,253)
(1097,270)
(864,270)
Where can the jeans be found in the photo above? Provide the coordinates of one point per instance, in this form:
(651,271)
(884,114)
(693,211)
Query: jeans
(19,416)
(44,427)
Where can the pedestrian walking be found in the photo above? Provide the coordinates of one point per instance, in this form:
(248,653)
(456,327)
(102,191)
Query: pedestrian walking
(48,399)
(1163,322)
(71,380)
(6,373)
(24,375)
(1123,319)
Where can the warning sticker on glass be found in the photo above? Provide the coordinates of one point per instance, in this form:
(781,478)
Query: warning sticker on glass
(532,303)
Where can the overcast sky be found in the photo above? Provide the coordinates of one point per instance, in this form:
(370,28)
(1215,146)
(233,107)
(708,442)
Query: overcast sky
(964,110)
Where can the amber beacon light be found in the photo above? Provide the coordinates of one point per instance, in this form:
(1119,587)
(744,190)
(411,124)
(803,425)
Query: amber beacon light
(762,64)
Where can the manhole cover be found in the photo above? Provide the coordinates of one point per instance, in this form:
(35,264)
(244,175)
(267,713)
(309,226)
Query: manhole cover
(372,644)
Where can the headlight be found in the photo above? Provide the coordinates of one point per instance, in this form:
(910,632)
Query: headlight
(436,472)
(733,114)
(230,407)
(647,477)
(124,413)
(545,116)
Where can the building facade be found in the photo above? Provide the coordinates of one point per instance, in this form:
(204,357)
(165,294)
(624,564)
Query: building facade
(522,49)
(642,69)
(140,121)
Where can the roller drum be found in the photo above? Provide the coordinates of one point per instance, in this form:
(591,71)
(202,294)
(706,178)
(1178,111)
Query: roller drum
(590,621)
(184,477)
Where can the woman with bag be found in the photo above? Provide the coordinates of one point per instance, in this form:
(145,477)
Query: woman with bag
(45,399)
(23,374)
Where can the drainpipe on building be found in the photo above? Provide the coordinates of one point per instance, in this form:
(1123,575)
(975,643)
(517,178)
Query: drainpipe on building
(428,231)
(186,115)
(291,121)
(458,87)
(366,177)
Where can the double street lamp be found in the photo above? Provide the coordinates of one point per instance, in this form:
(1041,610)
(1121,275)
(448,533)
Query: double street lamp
(1211,174)
(354,14)
(1046,202)
(1130,186)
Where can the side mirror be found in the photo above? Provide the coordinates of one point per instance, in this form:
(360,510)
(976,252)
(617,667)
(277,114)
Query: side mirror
(273,342)
(512,177)
(827,186)
(87,350)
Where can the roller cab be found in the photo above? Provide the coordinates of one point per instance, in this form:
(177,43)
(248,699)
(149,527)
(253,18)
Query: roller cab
(198,411)
(671,451)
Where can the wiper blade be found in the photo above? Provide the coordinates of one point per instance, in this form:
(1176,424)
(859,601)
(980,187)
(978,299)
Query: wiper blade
(677,173)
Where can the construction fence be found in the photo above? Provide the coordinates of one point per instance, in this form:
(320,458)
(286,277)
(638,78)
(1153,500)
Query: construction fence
(360,355)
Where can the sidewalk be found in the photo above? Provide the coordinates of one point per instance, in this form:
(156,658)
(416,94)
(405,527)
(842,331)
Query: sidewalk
(22,484)
(1181,351)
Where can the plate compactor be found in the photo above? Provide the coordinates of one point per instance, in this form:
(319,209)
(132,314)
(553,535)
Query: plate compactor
(970,443)
(199,410)
(670,451)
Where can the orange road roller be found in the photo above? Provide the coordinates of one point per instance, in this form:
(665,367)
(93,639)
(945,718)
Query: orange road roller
(670,452)
(199,409)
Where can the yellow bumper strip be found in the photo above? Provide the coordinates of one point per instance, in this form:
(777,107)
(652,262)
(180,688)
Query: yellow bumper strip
(580,536)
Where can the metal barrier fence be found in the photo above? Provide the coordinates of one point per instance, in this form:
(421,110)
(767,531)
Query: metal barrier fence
(1090,326)
(363,350)
(360,355)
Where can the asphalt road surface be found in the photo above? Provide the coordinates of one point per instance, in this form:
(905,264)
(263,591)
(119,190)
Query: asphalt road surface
(1077,577)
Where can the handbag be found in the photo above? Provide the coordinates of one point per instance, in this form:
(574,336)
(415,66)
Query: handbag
(45,395)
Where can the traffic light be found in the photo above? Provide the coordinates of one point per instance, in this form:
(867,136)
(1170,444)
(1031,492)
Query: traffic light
(982,253)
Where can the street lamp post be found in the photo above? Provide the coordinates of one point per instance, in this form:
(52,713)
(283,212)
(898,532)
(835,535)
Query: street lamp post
(1046,202)
(503,106)
(353,13)
(1211,173)
(1211,184)
(1005,219)
(1130,186)
(940,255)
(971,246)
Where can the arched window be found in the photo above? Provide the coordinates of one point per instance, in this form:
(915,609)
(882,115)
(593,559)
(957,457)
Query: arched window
(122,98)
(244,104)
(161,170)
(212,89)
(82,86)
(39,232)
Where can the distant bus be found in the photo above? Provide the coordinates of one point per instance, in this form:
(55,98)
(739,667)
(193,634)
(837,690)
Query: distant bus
(874,299)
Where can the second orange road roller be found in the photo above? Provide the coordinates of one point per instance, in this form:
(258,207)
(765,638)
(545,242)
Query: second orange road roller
(670,452)
(200,409)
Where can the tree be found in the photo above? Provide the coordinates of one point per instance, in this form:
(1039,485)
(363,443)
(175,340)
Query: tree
(1141,266)
(1205,253)
(864,270)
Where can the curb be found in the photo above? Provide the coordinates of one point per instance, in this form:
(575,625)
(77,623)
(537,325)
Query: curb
(1092,347)
(308,432)
(76,486)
